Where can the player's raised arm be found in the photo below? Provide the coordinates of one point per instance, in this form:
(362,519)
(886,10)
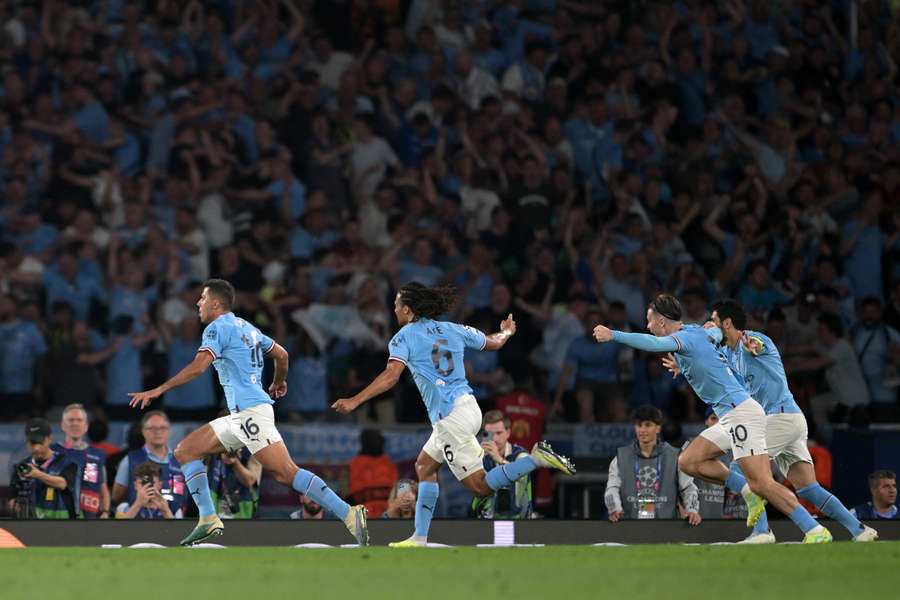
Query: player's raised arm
(495,341)
(638,341)
(193,370)
(385,381)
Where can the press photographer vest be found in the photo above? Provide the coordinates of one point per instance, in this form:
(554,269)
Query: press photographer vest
(173,487)
(654,478)
(48,502)
(91,467)
(509,502)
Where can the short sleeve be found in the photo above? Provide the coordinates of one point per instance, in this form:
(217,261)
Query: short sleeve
(398,348)
(472,338)
(266,342)
(212,340)
(39,346)
(122,473)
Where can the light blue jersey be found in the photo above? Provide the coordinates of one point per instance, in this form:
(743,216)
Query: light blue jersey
(701,362)
(239,350)
(433,351)
(763,374)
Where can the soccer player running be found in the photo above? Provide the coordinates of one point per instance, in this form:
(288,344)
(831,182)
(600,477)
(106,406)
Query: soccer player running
(741,419)
(237,349)
(433,351)
(756,358)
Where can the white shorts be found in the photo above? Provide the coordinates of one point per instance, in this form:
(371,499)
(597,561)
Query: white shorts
(743,431)
(253,428)
(454,439)
(786,437)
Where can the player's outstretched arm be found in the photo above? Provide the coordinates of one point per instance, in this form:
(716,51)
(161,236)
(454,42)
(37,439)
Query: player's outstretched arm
(495,341)
(385,381)
(194,369)
(638,341)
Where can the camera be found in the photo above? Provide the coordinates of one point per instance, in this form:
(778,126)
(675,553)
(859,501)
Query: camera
(20,491)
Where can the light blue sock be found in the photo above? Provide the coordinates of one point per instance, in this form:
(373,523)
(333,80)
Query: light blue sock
(425,505)
(198,484)
(310,484)
(504,475)
(831,506)
(735,481)
(803,519)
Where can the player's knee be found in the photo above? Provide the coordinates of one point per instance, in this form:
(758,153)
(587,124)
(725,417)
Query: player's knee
(423,471)
(182,454)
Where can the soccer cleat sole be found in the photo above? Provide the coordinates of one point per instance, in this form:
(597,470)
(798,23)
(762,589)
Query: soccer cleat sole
(550,459)
(212,532)
(759,538)
(818,537)
(360,528)
(755,512)
(409,543)
(868,535)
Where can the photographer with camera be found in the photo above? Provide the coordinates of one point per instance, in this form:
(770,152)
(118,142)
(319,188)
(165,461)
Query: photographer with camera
(509,502)
(45,484)
(149,502)
(156,429)
(234,483)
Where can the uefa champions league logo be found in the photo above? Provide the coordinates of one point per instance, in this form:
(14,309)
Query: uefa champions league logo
(647,476)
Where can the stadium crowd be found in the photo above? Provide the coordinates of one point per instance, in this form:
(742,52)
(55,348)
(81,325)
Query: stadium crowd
(564,161)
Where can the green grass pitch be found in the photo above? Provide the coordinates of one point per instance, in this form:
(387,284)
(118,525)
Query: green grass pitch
(839,571)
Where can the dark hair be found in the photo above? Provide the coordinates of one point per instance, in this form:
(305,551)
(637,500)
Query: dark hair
(148,469)
(496,416)
(832,323)
(648,413)
(222,290)
(428,302)
(135,438)
(371,442)
(877,476)
(871,301)
(98,430)
(668,306)
(731,309)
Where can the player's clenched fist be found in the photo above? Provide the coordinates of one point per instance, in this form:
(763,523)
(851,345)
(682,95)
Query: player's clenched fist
(602,333)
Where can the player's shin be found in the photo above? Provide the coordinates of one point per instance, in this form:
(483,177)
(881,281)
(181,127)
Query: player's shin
(311,485)
(831,506)
(198,484)
(504,475)
(425,505)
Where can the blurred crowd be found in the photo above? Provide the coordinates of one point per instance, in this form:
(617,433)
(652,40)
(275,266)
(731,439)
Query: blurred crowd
(560,160)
